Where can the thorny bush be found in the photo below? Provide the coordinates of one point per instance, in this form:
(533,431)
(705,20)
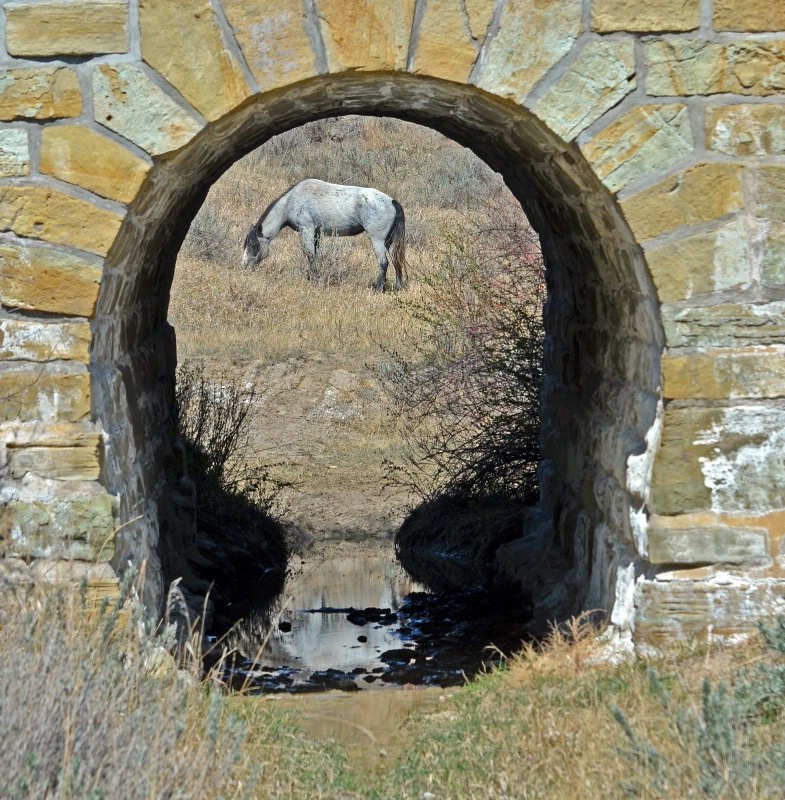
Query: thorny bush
(469,401)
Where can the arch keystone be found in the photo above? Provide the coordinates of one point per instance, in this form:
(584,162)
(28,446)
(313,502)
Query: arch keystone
(365,34)
(446,46)
(274,38)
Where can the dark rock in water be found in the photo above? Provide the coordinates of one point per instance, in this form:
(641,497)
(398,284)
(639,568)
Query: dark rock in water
(284,626)
(362,639)
(366,615)
(370,678)
(398,656)
(358,671)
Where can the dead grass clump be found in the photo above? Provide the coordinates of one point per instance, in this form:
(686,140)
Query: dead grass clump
(91,707)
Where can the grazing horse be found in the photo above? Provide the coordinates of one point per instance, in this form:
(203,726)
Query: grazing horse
(313,208)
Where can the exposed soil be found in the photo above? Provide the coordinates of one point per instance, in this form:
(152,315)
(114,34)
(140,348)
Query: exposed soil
(322,425)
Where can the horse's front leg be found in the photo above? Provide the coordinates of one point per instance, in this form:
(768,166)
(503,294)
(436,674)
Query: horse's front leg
(310,244)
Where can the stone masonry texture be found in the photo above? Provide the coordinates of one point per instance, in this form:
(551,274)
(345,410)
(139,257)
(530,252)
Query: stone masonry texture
(646,141)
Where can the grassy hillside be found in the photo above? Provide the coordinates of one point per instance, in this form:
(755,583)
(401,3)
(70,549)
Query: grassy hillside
(224,312)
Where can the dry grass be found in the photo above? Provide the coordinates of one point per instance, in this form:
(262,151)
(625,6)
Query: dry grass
(223,312)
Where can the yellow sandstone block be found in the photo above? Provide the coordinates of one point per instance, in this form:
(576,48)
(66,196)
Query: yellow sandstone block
(66,29)
(37,212)
(76,154)
(273,35)
(31,394)
(642,141)
(644,15)
(37,278)
(31,340)
(750,15)
(183,42)
(59,463)
(725,373)
(702,264)
(445,47)
(533,36)
(366,34)
(689,197)
(45,93)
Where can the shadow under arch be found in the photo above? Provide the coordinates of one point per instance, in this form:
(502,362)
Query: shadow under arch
(604,342)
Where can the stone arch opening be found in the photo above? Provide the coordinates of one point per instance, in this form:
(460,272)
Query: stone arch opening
(604,340)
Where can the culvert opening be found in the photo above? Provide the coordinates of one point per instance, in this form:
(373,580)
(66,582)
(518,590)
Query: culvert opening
(358,406)
(601,355)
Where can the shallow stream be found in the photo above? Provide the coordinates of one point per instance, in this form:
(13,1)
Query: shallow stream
(351,619)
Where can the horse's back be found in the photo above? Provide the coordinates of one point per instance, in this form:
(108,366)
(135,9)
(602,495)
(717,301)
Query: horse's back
(347,210)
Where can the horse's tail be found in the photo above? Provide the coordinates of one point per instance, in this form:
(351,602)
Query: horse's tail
(396,241)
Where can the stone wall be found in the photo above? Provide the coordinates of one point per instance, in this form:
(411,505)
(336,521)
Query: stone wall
(645,141)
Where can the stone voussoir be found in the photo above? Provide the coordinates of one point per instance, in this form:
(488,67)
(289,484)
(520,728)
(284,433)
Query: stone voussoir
(511,70)
(273,36)
(366,35)
(129,103)
(197,62)
(38,278)
(446,47)
(643,141)
(78,28)
(602,75)
(81,156)
(42,93)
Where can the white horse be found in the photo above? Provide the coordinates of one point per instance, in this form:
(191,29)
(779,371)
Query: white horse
(313,208)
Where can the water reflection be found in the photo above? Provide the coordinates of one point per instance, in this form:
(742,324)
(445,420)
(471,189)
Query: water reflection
(356,620)
(309,629)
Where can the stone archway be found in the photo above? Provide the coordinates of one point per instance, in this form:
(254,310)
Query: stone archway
(660,249)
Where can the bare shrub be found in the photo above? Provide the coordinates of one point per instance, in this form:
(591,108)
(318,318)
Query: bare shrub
(235,495)
(469,401)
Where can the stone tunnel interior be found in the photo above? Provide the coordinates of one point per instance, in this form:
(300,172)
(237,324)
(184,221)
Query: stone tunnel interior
(601,392)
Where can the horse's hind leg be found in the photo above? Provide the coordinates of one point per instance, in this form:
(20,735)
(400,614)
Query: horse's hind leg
(381,258)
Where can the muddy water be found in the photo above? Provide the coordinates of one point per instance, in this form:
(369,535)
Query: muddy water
(351,619)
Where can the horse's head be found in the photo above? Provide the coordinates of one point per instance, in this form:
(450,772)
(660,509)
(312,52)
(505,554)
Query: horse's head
(257,246)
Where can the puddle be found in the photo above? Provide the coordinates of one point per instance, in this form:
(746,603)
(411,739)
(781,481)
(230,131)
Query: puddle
(356,621)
